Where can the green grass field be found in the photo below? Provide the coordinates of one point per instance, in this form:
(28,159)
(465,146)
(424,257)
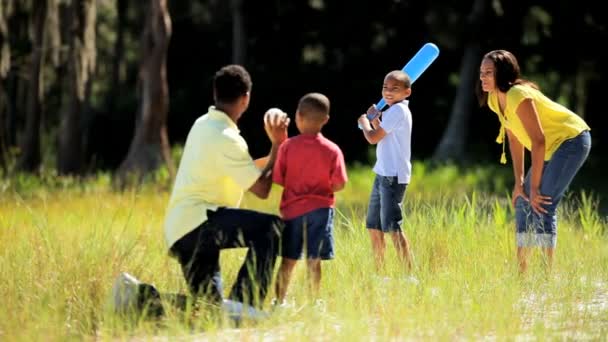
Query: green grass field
(63,242)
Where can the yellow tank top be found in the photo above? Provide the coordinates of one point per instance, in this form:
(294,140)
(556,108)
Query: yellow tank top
(558,122)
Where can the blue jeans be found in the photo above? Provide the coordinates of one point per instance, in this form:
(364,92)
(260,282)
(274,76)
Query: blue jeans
(385,204)
(535,229)
(313,229)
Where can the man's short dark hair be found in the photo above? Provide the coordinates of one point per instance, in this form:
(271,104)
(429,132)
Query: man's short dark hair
(231,82)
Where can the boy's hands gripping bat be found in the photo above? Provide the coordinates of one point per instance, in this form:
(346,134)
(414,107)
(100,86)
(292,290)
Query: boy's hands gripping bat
(414,68)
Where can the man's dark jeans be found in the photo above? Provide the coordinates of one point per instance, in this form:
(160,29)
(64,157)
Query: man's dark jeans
(198,253)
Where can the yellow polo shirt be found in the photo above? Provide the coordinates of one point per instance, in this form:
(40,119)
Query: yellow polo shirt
(558,122)
(215,170)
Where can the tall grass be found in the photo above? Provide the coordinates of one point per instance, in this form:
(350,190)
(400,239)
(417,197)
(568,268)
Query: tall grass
(62,243)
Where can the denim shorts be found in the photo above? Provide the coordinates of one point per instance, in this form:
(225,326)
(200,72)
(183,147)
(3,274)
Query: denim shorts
(541,229)
(385,204)
(313,230)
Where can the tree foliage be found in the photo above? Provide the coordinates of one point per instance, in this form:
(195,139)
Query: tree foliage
(341,48)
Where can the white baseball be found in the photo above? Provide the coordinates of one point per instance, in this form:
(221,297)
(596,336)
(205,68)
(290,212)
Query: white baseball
(274,116)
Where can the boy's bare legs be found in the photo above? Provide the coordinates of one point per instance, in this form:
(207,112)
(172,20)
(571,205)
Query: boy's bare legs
(314,276)
(402,247)
(378,247)
(283,278)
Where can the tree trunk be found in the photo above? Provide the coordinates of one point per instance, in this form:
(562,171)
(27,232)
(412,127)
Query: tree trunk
(119,53)
(5,55)
(3,142)
(30,158)
(16,88)
(584,74)
(150,145)
(453,143)
(70,154)
(239,41)
(5,61)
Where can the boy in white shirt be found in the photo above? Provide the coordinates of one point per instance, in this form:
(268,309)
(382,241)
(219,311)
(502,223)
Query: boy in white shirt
(391,130)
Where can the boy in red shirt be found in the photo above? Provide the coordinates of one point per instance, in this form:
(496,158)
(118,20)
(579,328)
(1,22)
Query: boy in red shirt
(310,168)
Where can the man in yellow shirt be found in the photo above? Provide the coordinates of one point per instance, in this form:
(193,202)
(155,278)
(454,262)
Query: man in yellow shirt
(203,217)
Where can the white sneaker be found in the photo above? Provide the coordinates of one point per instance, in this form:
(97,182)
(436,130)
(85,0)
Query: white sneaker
(237,310)
(320,305)
(382,279)
(125,293)
(410,280)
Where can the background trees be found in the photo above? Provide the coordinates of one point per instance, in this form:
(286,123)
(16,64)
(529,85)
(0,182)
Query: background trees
(150,143)
(110,84)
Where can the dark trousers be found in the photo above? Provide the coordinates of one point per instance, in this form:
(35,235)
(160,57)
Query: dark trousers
(198,252)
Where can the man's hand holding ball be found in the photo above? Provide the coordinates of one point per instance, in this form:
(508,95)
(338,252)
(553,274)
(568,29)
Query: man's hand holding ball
(275,123)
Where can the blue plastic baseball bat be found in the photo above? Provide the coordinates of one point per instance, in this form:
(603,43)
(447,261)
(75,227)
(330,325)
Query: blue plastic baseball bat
(415,67)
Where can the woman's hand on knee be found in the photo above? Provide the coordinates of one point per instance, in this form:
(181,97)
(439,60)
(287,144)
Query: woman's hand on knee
(518,191)
(538,201)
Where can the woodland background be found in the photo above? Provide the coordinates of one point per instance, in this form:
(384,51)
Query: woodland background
(112,85)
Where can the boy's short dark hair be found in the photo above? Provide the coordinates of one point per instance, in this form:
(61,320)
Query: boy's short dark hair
(400,76)
(231,82)
(314,106)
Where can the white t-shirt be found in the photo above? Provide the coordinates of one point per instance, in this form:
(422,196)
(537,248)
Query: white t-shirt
(393,152)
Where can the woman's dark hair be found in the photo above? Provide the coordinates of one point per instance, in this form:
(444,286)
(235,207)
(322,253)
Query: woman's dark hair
(506,74)
(231,82)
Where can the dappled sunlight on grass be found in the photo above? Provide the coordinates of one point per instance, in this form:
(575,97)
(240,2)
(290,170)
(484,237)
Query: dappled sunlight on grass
(62,243)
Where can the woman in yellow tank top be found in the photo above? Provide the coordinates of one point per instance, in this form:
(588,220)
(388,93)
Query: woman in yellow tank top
(558,139)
